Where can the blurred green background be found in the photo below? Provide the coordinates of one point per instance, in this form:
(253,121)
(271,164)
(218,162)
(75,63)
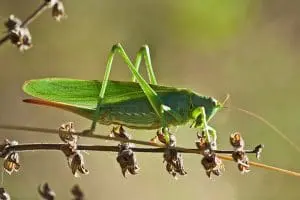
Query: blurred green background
(247,48)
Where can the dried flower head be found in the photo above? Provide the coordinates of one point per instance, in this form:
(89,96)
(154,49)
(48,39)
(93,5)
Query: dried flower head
(11,159)
(46,192)
(127,160)
(3,194)
(212,164)
(58,11)
(76,163)
(239,154)
(12,23)
(243,161)
(236,140)
(66,133)
(69,149)
(4,147)
(77,193)
(21,37)
(174,162)
(12,163)
(258,150)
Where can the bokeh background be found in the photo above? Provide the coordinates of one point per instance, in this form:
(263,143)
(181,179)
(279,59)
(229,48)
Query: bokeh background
(247,48)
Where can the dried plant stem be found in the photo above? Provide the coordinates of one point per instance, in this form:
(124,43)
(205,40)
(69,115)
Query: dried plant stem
(59,146)
(36,13)
(95,147)
(43,7)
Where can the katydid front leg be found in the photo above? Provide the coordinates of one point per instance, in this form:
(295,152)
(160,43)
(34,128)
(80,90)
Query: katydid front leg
(200,121)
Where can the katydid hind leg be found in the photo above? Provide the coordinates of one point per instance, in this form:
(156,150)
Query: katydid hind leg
(149,92)
(144,52)
(156,103)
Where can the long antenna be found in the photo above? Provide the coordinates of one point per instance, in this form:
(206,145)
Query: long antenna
(263,120)
(269,124)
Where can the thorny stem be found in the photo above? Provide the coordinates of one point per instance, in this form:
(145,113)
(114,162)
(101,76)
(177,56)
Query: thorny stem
(94,147)
(29,19)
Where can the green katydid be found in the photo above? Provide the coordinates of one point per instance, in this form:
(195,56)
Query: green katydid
(136,104)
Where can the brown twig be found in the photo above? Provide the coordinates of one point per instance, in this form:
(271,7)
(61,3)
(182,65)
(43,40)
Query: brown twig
(179,149)
(36,13)
(59,146)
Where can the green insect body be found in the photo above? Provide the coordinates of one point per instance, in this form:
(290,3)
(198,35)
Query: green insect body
(138,104)
(124,103)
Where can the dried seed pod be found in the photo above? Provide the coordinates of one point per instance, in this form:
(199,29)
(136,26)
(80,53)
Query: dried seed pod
(58,11)
(46,192)
(66,133)
(12,23)
(21,37)
(11,163)
(237,141)
(244,167)
(3,147)
(69,149)
(174,162)
(212,164)
(76,163)
(258,150)
(77,193)
(127,160)
(3,194)
(239,154)
(11,160)
(243,161)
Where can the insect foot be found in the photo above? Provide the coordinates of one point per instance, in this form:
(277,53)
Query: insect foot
(120,132)
(74,157)
(127,160)
(166,137)
(202,144)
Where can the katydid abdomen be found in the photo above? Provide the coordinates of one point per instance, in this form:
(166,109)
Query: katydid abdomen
(125,103)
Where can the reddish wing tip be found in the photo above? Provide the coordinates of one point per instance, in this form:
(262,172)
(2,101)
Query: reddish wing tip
(45,103)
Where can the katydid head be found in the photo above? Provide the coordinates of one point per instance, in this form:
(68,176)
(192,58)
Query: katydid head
(199,103)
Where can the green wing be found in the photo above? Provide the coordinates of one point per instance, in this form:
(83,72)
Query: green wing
(84,93)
